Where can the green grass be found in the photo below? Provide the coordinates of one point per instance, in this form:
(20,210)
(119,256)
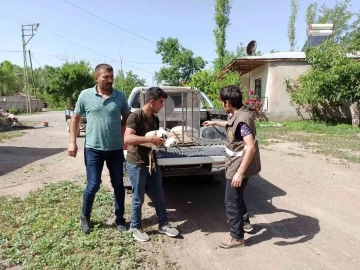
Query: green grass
(16,131)
(42,232)
(339,141)
(7,135)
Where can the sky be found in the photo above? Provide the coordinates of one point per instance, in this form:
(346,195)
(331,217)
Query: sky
(67,33)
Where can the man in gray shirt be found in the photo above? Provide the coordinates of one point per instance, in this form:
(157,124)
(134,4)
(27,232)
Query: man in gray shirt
(106,112)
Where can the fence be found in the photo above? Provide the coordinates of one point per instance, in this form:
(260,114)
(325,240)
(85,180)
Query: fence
(19,103)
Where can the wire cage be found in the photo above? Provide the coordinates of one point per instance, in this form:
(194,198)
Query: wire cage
(180,115)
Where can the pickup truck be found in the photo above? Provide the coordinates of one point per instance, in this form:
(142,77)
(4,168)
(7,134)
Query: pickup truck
(200,150)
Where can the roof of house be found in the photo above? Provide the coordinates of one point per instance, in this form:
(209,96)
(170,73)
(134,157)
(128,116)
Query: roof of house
(249,63)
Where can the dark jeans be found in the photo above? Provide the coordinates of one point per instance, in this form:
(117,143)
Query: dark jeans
(236,210)
(139,177)
(94,162)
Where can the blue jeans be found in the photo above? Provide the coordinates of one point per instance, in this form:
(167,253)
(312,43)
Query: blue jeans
(94,162)
(139,176)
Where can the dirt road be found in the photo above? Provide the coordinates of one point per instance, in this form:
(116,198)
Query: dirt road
(305,209)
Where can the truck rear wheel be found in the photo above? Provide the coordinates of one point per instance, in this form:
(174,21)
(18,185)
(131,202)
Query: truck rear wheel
(214,179)
(68,124)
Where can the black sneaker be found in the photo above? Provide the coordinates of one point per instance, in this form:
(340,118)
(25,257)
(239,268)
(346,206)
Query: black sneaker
(120,224)
(85,224)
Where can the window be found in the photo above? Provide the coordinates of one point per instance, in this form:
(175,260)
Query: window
(136,100)
(258,88)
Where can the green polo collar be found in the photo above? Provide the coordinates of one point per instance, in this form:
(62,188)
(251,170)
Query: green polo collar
(113,92)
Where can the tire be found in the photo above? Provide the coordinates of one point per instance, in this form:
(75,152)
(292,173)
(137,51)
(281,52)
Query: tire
(214,179)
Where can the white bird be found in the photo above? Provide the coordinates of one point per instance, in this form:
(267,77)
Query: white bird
(161,133)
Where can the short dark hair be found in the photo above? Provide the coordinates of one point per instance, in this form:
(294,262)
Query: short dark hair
(103,66)
(154,93)
(232,94)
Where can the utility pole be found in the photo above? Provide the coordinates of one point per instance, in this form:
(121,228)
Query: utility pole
(122,72)
(33,82)
(27,32)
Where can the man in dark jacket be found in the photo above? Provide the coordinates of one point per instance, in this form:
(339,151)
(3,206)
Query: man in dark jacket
(242,161)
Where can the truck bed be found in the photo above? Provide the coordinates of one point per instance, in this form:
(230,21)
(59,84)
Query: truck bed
(208,151)
(206,148)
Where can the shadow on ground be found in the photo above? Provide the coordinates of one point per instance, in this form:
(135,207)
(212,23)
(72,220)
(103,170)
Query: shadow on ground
(200,206)
(13,158)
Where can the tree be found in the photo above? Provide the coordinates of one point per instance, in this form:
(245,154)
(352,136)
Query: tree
(128,82)
(222,20)
(119,80)
(340,17)
(63,85)
(334,78)
(344,21)
(10,81)
(181,63)
(210,82)
(352,41)
(291,24)
(310,15)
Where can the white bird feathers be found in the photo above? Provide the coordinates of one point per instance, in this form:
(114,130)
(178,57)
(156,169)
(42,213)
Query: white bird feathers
(161,133)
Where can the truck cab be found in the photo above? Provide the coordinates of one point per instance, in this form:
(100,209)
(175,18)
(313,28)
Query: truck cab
(206,105)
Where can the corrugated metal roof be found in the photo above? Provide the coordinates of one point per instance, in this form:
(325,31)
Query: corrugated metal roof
(277,55)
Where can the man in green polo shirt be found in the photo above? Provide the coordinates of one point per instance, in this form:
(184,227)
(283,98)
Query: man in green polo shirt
(106,112)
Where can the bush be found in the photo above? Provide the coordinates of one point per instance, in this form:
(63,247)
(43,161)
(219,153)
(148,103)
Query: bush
(254,104)
(13,110)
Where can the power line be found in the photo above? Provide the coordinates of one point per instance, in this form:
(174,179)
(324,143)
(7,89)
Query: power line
(57,55)
(31,52)
(32,55)
(92,14)
(125,63)
(92,50)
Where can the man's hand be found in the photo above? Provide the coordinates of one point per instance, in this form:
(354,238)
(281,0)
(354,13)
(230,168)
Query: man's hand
(208,123)
(72,149)
(156,140)
(237,180)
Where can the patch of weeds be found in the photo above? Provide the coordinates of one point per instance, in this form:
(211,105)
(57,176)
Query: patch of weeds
(42,232)
(295,154)
(338,141)
(8,135)
(170,264)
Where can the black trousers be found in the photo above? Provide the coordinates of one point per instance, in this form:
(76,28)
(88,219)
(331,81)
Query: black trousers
(236,210)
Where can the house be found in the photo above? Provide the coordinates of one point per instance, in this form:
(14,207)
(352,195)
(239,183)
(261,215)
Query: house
(266,75)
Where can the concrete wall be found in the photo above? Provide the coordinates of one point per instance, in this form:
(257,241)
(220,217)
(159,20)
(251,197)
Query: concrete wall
(276,99)
(280,108)
(18,102)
